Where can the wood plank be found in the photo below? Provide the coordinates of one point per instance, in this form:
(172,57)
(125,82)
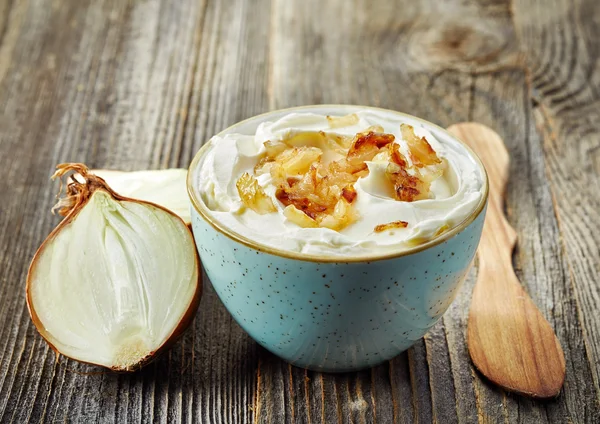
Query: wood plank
(563,45)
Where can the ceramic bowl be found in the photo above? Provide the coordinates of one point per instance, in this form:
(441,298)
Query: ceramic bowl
(334,313)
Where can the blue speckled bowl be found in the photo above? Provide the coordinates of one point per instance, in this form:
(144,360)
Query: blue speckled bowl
(326,313)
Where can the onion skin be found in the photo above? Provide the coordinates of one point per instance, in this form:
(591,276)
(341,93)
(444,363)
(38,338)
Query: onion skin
(70,211)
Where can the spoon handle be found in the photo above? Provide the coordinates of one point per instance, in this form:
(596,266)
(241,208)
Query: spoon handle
(498,238)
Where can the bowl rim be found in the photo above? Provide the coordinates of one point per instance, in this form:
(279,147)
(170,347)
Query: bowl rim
(204,212)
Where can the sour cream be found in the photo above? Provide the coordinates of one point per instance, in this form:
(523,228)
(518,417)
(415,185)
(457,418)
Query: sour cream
(453,197)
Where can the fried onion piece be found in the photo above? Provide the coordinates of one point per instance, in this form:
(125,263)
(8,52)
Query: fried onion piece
(342,216)
(407,187)
(342,121)
(303,196)
(421,152)
(349,193)
(321,140)
(362,173)
(299,218)
(339,143)
(253,196)
(367,144)
(364,148)
(294,162)
(297,161)
(390,226)
(344,166)
(274,148)
(432,173)
(263,166)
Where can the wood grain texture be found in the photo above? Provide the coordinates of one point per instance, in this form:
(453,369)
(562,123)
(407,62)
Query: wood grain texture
(563,50)
(143,84)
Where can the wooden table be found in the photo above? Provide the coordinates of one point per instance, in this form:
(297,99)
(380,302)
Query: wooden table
(142,84)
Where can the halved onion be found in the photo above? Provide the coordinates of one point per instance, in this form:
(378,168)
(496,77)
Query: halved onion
(117,281)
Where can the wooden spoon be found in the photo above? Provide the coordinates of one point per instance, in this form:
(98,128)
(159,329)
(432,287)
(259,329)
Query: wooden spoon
(509,340)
